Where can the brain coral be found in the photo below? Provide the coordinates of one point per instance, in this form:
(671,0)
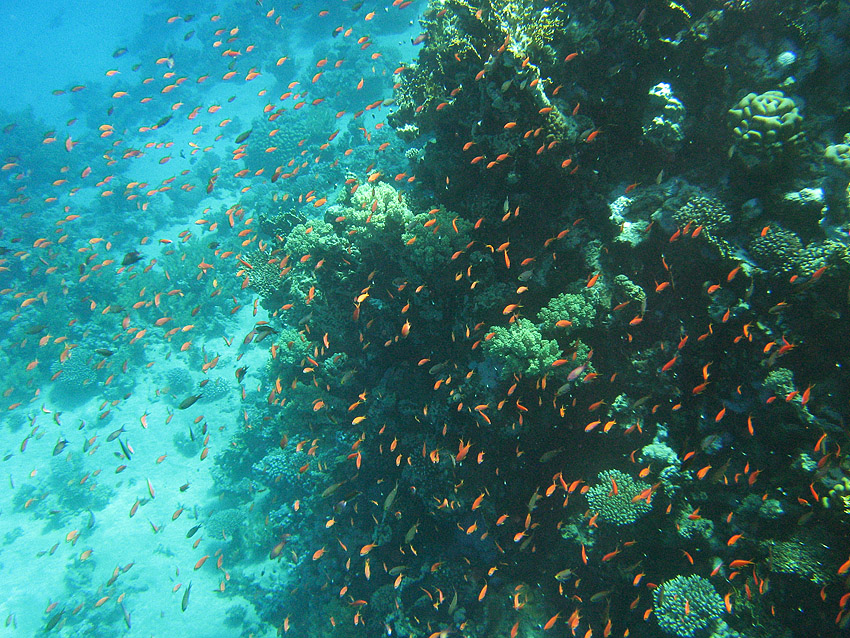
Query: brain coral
(704,606)
(838,155)
(617,509)
(765,125)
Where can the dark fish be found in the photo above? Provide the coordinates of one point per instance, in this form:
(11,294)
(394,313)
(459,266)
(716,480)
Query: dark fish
(115,434)
(356,6)
(263,332)
(185,486)
(185,602)
(189,35)
(60,445)
(119,52)
(193,531)
(54,620)
(191,433)
(125,450)
(34,330)
(244,136)
(9,128)
(104,352)
(163,122)
(126,614)
(240,373)
(188,402)
(131,258)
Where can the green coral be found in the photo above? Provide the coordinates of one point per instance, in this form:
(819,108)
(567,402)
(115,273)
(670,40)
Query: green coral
(292,353)
(687,606)
(431,247)
(317,239)
(617,509)
(780,381)
(839,155)
(838,497)
(701,528)
(765,125)
(521,349)
(325,253)
(580,308)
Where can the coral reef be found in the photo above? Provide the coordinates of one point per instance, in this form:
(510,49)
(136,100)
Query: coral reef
(765,126)
(687,607)
(613,498)
(520,349)
(664,119)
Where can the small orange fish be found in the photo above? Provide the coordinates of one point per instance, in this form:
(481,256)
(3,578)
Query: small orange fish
(551,622)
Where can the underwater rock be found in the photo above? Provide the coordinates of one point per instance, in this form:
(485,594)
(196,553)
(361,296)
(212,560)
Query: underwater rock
(664,119)
(802,210)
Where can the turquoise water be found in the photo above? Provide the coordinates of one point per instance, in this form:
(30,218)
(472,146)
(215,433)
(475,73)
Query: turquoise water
(425,319)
